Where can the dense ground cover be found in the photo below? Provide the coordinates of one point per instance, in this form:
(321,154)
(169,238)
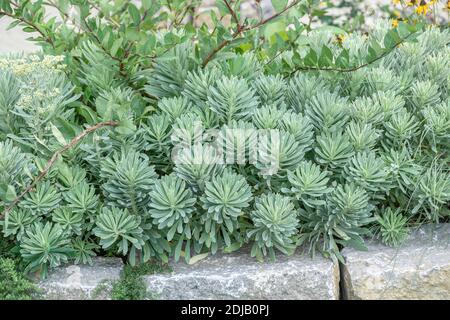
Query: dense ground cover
(311,137)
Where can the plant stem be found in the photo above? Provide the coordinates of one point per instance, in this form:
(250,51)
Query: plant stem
(53,159)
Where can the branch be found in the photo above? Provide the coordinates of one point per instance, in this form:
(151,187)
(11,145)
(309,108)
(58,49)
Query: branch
(217,49)
(53,159)
(233,14)
(276,15)
(31,24)
(241,29)
(352,69)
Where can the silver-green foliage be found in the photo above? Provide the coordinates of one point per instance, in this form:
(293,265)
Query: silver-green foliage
(45,246)
(392,225)
(224,201)
(128,178)
(315,155)
(118,229)
(274,225)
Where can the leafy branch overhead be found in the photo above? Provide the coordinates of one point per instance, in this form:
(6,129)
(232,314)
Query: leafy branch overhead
(133,37)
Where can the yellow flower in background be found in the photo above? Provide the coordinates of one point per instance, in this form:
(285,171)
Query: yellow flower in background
(398,13)
(448,5)
(340,38)
(395,1)
(422,8)
(394,23)
(411,3)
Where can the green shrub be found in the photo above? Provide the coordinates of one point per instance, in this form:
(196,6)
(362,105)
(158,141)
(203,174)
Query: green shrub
(131,286)
(13,284)
(239,137)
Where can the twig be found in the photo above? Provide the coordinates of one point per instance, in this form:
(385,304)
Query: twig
(52,161)
(280,52)
(276,15)
(352,69)
(233,13)
(241,29)
(32,25)
(217,49)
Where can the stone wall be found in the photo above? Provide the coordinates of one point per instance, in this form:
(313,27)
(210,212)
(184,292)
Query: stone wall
(419,269)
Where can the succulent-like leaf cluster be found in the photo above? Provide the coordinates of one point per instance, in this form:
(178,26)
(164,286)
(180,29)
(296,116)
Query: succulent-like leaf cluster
(274,225)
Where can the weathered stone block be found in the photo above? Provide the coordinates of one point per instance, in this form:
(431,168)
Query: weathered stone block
(238,276)
(82,282)
(419,269)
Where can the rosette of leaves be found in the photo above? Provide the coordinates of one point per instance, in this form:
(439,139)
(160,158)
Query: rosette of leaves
(402,168)
(300,127)
(44,246)
(174,107)
(237,140)
(389,102)
(42,200)
(246,66)
(328,111)
(362,136)
(432,193)
(196,86)
(170,71)
(437,125)
(17,221)
(9,95)
(302,88)
(437,67)
(209,119)
(97,71)
(392,227)
(278,151)
(187,130)
(380,79)
(84,251)
(70,176)
(14,165)
(267,117)
(81,199)
(197,164)
(127,180)
(342,221)
(367,110)
(423,94)
(401,129)
(171,207)
(117,228)
(333,150)
(274,226)
(158,130)
(270,89)
(70,221)
(350,204)
(224,199)
(308,184)
(369,172)
(232,99)
(117,103)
